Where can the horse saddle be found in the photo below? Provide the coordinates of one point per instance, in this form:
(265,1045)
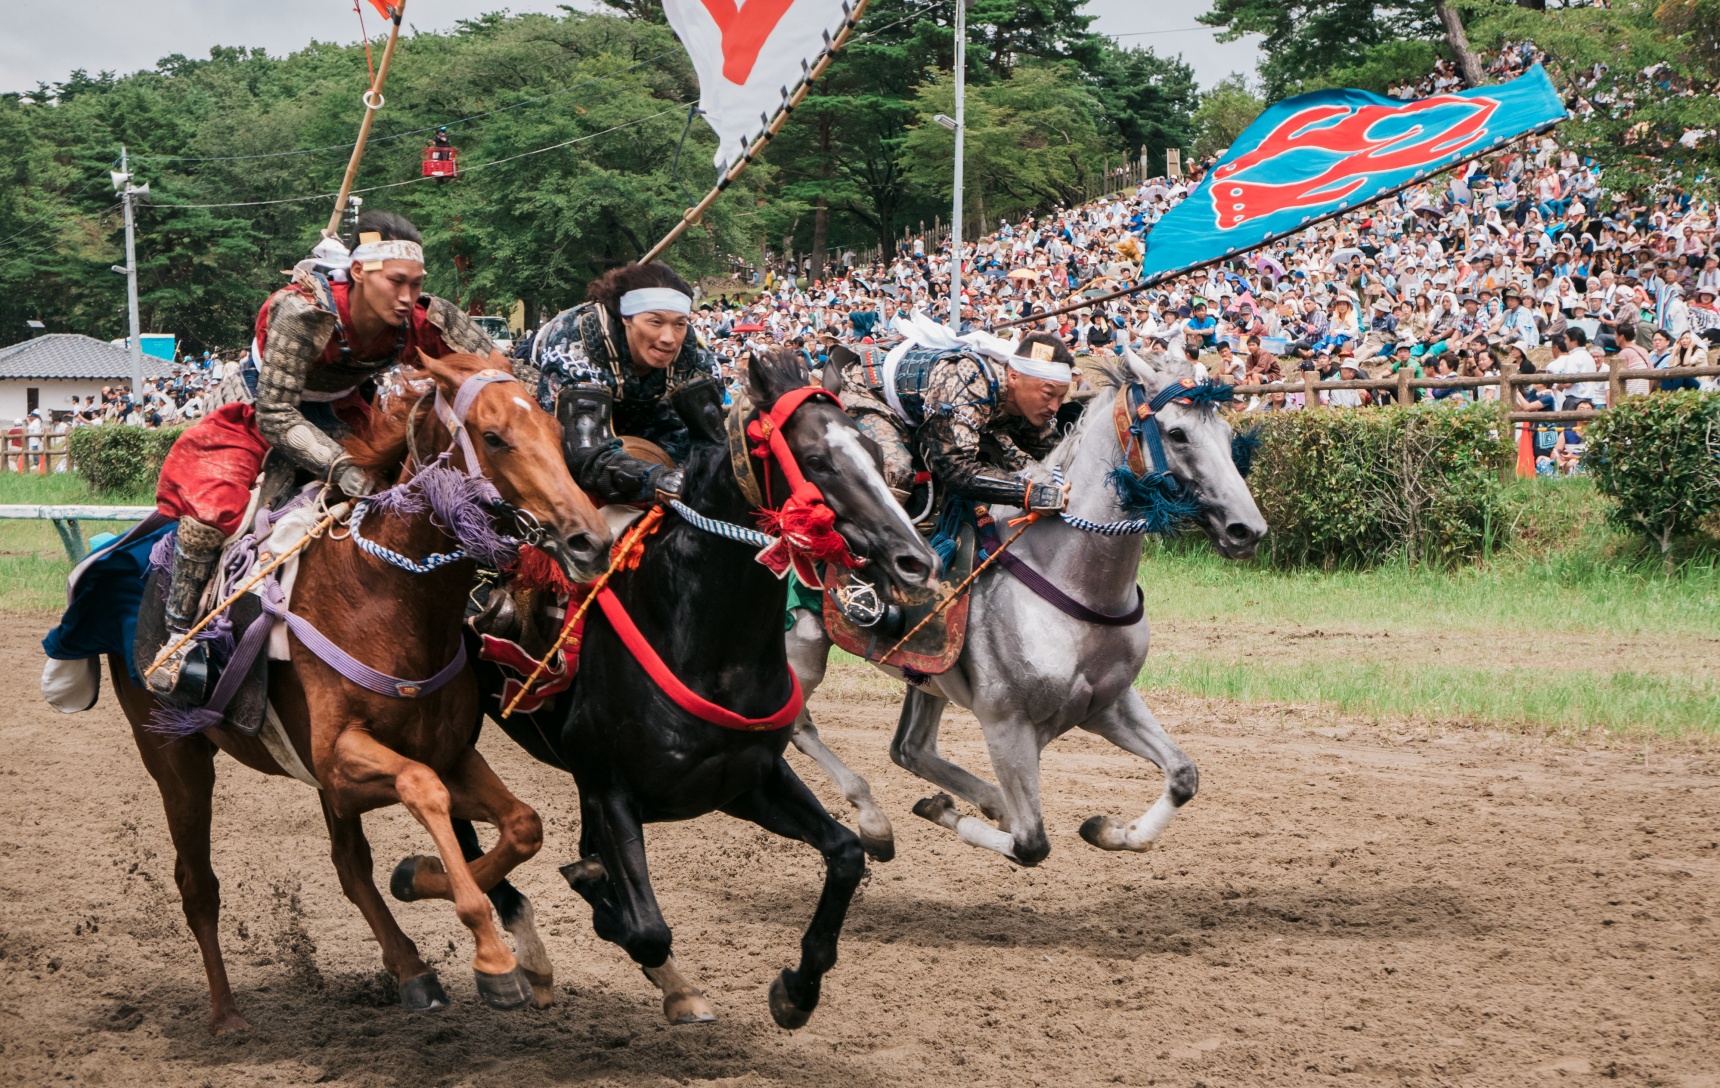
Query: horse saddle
(245,709)
(931,649)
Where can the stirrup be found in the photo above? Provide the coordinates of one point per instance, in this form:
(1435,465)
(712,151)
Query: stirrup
(187,676)
(859,602)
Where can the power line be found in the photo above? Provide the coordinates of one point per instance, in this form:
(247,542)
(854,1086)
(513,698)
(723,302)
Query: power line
(414,181)
(409,132)
(1178,30)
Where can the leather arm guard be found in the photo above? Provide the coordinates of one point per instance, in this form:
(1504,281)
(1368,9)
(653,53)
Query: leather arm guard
(1019,492)
(594,455)
(298,332)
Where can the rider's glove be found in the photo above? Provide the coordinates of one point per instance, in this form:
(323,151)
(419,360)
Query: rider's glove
(1045,498)
(354,482)
(668,483)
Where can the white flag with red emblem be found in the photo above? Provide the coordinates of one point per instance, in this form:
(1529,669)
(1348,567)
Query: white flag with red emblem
(751,56)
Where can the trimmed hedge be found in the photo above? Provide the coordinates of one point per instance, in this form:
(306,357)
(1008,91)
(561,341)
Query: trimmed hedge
(119,458)
(1658,459)
(1347,488)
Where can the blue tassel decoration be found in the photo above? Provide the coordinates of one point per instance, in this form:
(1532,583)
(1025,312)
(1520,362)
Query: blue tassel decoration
(1242,447)
(1156,498)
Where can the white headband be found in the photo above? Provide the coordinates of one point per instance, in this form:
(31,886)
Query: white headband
(1047,367)
(655,298)
(394,250)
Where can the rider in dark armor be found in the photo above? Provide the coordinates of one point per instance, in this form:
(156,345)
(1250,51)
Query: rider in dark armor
(973,421)
(611,366)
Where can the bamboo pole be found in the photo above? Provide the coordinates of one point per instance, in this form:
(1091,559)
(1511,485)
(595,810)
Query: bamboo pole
(696,212)
(375,92)
(334,515)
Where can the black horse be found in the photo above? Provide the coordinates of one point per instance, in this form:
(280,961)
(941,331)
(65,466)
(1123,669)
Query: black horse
(714,615)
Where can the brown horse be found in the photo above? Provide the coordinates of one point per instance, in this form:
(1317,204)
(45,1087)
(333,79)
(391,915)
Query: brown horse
(368,750)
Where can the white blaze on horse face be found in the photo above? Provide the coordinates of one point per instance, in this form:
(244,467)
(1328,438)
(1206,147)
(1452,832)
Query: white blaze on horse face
(524,404)
(845,441)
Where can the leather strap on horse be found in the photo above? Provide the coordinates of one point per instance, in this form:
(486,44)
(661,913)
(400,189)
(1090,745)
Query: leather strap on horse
(1048,591)
(679,693)
(625,556)
(804,523)
(1026,519)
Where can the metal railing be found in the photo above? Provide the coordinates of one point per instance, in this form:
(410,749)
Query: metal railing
(66,519)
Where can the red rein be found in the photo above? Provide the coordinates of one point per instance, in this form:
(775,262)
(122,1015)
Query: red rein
(804,525)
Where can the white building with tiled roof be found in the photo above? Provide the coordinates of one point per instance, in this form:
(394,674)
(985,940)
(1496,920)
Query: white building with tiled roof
(50,370)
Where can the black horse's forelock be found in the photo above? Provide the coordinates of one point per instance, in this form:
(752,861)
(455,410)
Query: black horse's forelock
(776,371)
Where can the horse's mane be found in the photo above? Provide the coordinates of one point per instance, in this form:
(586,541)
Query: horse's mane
(381,450)
(778,370)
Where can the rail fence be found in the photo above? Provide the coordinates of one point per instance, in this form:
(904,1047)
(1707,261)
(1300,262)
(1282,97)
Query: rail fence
(66,520)
(1403,385)
(34,453)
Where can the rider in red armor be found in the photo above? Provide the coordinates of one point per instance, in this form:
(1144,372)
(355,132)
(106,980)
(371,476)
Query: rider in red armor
(320,343)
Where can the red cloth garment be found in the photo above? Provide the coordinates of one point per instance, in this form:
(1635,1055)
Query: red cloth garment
(208,473)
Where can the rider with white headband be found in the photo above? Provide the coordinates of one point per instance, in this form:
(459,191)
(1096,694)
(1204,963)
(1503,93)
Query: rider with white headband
(611,367)
(972,411)
(320,343)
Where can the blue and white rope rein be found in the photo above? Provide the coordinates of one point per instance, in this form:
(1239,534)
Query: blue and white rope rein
(371,548)
(725,529)
(1103,528)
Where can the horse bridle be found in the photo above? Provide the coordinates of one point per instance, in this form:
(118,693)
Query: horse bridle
(1134,414)
(453,416)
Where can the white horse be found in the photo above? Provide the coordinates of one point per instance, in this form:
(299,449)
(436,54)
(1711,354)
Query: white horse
(1030,672)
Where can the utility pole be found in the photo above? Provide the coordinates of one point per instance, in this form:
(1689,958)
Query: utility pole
(961,130)
(128,195)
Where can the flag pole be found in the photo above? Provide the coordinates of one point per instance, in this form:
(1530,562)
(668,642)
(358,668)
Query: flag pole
(697,211)
(374,94)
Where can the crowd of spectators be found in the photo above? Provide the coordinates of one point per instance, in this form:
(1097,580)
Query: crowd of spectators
(1520,257)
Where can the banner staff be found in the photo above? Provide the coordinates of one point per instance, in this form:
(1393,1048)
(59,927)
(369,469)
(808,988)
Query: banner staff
(373,101)
(697,211)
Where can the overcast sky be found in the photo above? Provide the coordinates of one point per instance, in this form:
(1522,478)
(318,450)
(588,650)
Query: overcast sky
(45,42)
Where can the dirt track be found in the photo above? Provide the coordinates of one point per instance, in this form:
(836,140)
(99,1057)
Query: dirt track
(1343,903)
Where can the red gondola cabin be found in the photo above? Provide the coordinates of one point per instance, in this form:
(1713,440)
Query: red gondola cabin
(441,162)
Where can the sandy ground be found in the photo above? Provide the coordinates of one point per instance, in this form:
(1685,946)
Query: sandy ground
(1343,903)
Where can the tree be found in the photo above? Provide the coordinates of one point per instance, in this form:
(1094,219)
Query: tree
(1148,101)
(1225,110)
(1307,37)
(1031,140)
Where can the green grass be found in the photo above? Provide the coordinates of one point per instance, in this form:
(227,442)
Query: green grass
(33,562)
(1573,704)
(1569,573)
(1425,636)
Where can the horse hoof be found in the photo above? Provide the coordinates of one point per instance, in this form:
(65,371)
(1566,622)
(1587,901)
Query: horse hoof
(877,837)
(543,987)
(1109,833)
(584,876)
(936,808)
(783,1010)
(403,884)
(688,1008)
(423,993)
(230,1024)
(506,991)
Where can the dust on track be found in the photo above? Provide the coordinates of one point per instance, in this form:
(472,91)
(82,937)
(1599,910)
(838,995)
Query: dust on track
(1344,902)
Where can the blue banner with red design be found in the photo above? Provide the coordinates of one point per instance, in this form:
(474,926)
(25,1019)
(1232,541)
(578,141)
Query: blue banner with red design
(1316,155)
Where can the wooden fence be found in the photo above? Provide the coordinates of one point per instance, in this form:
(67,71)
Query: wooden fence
(1403,384)
(37,453)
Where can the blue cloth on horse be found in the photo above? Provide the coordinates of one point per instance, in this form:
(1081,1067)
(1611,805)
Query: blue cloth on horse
(106,592)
